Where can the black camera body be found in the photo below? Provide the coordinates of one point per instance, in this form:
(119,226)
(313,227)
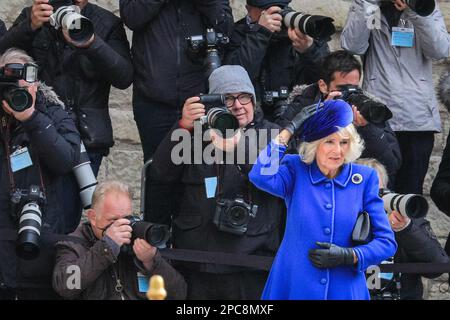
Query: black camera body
(56,4)
(155,234)
(233,216)
(373,111)
(217,116)
(275,102)
(18,98)
(207,48)
(30,202)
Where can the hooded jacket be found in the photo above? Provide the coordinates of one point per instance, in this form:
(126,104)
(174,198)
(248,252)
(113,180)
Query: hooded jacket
(53,143)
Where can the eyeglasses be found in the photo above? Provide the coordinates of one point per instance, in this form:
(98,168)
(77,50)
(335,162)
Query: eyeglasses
(243,98)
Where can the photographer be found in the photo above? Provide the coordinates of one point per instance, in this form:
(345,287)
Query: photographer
(106,272)
(416,243)
(275,57)
(206,220)
(339,69)
(40,145)
(165,74)
(398,52)
(81,73)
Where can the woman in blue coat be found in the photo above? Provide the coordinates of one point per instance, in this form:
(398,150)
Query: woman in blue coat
(324,194)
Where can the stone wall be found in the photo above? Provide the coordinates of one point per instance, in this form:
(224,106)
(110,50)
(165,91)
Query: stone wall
(125,159)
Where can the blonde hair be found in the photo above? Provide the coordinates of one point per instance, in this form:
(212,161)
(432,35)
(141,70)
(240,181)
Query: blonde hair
(308,150)
(109,186)
(13,55)
(379,168)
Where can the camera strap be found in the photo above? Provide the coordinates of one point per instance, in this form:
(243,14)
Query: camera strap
(219,193)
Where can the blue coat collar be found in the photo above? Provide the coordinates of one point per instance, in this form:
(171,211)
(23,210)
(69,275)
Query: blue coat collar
(342,179)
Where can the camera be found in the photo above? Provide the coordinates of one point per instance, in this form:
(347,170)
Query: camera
(207,47)
(317,27)
(412,206)
(421,7)
(155,234)
(217,114)
(17,97)
(30,220)
(67,16)
(373,111)
(85,178)
(234,215)
(275,103)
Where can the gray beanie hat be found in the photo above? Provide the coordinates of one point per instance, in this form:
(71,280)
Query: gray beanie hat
(231,79)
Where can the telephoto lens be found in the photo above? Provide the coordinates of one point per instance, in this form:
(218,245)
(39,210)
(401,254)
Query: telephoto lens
(79,28)
(412,206)
(30,221)
(317,27)
(85,178)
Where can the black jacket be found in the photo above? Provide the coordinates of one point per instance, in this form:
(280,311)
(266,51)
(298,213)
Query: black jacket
(101,268)
(2,29)
(193,228)
(163,70)
(271,61)
(380,141)
(440,190)
(417,244)
(54,143)
(81,77)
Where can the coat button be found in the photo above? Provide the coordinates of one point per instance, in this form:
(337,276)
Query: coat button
(323,281)
(327,231)
(328,185)
(328,206)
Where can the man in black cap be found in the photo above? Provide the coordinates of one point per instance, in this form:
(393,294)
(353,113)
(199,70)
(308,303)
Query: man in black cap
(275,57)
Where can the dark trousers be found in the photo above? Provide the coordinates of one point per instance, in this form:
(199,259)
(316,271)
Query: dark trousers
(154,120)
(416,148)
(245,285)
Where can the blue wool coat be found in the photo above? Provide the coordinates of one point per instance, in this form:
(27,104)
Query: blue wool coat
(324,210)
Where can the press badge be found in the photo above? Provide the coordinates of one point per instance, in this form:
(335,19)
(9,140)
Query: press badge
(20,159)
(210,186)
(402,37)
(142,282)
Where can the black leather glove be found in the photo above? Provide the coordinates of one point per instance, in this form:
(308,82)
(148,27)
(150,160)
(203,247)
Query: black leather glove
(295,124)
(331,256)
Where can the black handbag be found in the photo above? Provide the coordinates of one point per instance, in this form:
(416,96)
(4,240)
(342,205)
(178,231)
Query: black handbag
(361,230)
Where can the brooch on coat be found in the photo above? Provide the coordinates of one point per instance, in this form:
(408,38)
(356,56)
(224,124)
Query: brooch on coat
(357,178)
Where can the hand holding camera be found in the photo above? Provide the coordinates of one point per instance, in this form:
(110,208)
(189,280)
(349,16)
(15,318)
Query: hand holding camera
(193,110)
(120,231)
(144,252)
(358,118)
(271,19)
(300,41)
(397,221)
(20,116)
(40,13)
